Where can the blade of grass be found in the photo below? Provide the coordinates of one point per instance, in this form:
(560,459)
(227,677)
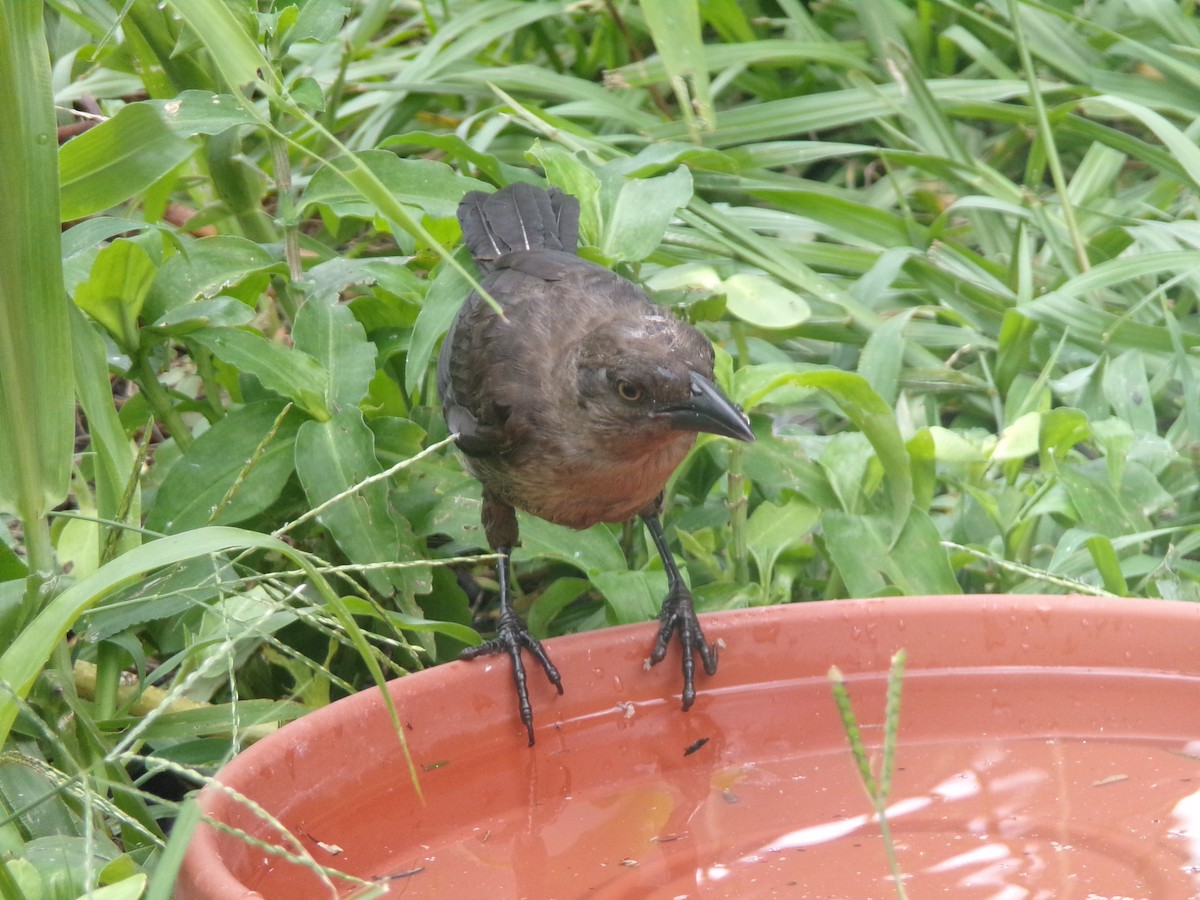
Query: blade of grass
(37,425)
(675,27)
(24,658)
(1046,135)
(878,787)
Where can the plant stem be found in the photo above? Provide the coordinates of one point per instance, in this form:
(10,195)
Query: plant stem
(160,402)
(889,848)
(285,194)
(738,513)
(736,487)
(108,679)
(39,557)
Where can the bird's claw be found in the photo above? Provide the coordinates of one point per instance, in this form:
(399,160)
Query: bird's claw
(512,634)
(679,615)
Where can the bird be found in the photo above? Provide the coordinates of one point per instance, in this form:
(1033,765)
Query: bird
(574,401)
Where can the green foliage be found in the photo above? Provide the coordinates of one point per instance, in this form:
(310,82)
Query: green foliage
(947,253)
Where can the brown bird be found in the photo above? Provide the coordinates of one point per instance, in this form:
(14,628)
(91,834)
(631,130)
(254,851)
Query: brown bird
(575,405)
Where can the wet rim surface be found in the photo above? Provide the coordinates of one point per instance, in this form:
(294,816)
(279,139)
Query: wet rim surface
(466,711)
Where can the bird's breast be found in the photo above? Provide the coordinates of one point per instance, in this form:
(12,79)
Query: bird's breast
(580,489)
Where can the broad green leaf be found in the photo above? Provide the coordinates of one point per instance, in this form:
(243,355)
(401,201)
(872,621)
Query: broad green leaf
(774,382)
(233,471)
(1019,439)
(307,93)
(208,267)
(26,876)
(862,406)
(699,278)
(117,159)
(431,186)
(919,564)
(442,302)
(1060,431)
(923,459)
(237,57)
(1108,564)
(772,529)
(554,599)
(877,421)
(654,159)
(284,370)
(203,112)
(1127,389)
(857,547)
(184,587)
(458,149)
(335,456)
(636,212)
(113,294)
(631,596)
(952,448)
(883,356)
(52,818)
(762,302)
(215,312)
(329,332)
(12,568)
(592,550)
(1115,437)
(871,565)
(319,20)
(847,462)
(130,888)
(1098,506)
(62,860)
(109,450)
(1012,353)
(341,273)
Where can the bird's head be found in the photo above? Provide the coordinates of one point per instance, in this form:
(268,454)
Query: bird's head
(651,375)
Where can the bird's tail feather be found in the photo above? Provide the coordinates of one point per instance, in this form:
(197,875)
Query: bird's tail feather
(518,217)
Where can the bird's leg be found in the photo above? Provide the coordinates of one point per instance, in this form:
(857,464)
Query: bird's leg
(512,634)
(679,615)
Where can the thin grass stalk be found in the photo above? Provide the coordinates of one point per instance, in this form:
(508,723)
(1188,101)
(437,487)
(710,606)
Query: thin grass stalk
(877,788)
(1047,135)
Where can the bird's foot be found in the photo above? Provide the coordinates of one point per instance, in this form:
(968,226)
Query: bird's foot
(679,615)
(512,634)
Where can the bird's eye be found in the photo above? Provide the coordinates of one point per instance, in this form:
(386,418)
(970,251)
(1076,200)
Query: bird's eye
(629,391)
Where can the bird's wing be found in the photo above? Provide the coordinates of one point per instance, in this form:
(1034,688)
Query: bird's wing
(462,373)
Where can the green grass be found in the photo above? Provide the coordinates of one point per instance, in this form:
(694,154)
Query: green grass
(947,251)
(877,785)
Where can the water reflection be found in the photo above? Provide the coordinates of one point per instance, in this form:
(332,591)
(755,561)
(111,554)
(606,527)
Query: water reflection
(1022,820)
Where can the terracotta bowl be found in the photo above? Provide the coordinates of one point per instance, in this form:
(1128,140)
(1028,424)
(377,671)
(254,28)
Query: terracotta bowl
(1048,747)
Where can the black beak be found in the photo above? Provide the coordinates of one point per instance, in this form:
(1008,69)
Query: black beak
(711,411)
